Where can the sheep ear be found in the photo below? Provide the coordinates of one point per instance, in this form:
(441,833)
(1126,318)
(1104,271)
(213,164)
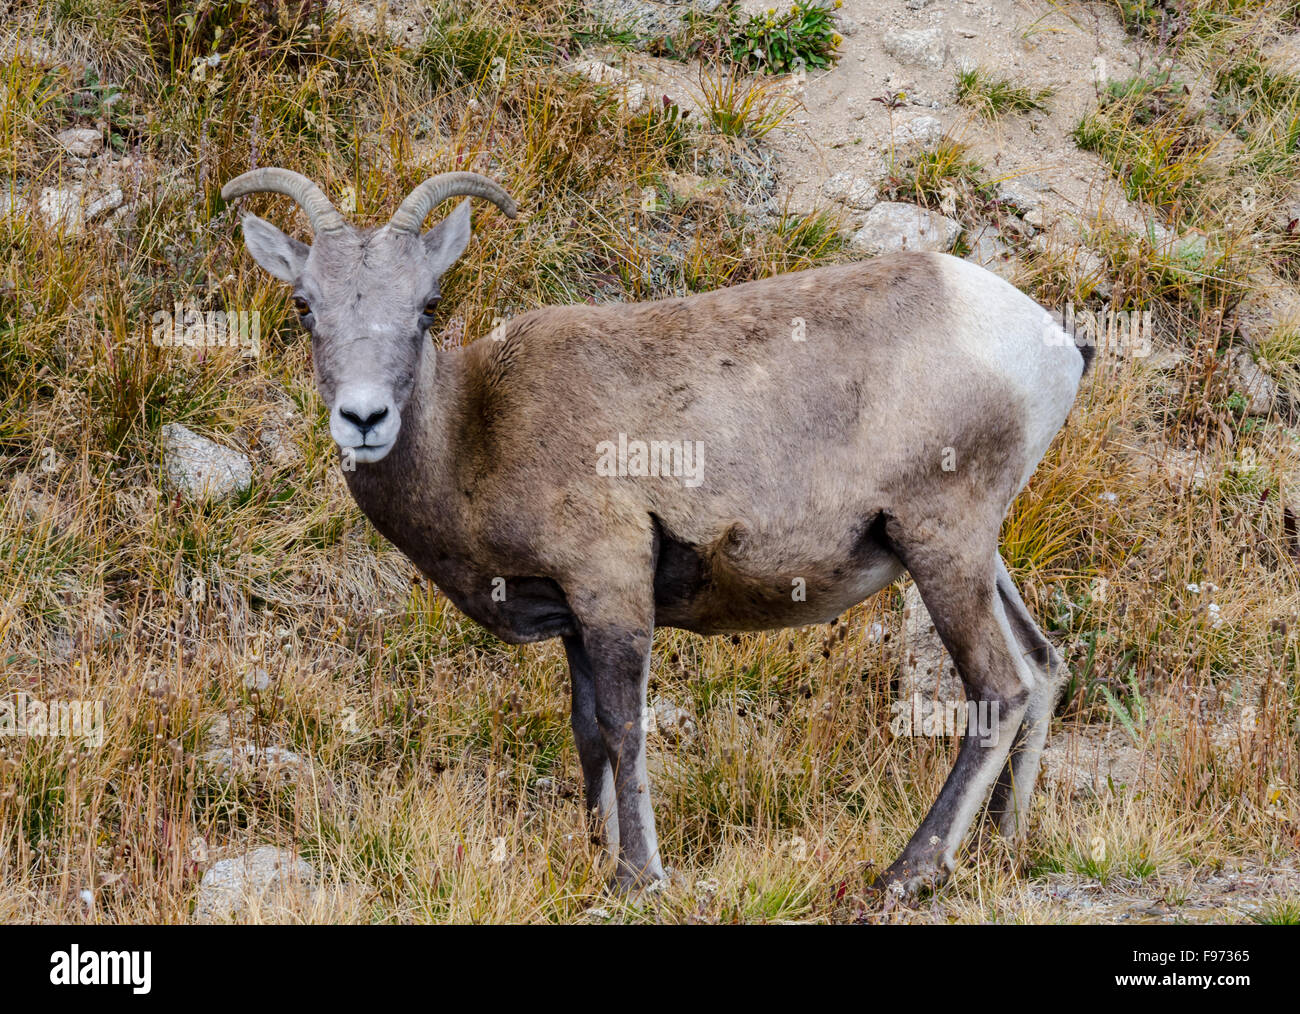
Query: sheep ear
(280,255)
(446,241)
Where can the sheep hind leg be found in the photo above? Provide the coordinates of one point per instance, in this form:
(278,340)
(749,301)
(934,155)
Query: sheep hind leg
(1008,808)
(958,583)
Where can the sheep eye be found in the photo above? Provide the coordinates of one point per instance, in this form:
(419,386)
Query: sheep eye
(431,307)
(301,305)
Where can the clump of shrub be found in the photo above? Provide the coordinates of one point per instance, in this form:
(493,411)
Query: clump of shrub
(991,96)
(804,37)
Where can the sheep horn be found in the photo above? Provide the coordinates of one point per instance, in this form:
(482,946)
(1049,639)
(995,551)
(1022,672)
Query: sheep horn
(323,215)
(410,215)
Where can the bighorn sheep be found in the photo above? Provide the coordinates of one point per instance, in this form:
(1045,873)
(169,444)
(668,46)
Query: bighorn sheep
(851,422)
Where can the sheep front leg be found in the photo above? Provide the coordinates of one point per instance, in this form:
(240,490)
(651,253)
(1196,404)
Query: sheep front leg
(620,662)
(597,775)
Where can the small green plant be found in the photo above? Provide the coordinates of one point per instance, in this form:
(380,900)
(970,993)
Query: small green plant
(741,108)
(1281,912)
(944,177)
(663,129)
(803,38)
(1133,715)
(1279,350)
(1151,96)
(992,96)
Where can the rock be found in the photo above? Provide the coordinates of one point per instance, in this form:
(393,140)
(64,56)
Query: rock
(252,761)
(916,134)
(34,50)
(275,434)
(1270,304)
(110,200)
(853,191)
(689,188)
(1177,468)
(1258,387)
(71,208)
(1166,360)
(240,886)
(676,725)
(631,93)
(892,225)
(1091,760)
(926,670)
(12,203)
(200,468)
(1283,55)
(219,732)
(916,5)
(401,22)
(991,253)
(1191,249)
(847,26)
(81,141)
(1083,267)
(1023,194)
(61,207)
(1153,232)
(923,47)
(650,20)
(279,448)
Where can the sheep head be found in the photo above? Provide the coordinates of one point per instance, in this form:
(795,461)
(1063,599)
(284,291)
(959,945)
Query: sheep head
(366,296)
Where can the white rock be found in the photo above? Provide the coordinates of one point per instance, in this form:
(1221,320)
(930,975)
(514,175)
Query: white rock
(648,19)
(1081,264)
(110,200)
(926,670)
(251,760)
(1258,387)
(923,47)
(200,468)
(917,133)
(12,203)
(1082,764)
(991,253)
(1021,193)
(61,207)
(675,724)
(71,208)
(267,875)
(854,191)
(893,225)
(81,141)
(631,93)
(280,448)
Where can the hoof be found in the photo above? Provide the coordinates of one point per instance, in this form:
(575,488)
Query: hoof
(638,885)
(907,881)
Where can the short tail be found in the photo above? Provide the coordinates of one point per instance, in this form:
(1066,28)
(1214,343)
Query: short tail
(1088,350)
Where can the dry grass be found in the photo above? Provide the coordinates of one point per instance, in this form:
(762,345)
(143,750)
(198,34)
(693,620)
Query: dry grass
(439,781)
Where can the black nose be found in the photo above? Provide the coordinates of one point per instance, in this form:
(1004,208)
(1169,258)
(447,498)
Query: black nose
(368,423)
